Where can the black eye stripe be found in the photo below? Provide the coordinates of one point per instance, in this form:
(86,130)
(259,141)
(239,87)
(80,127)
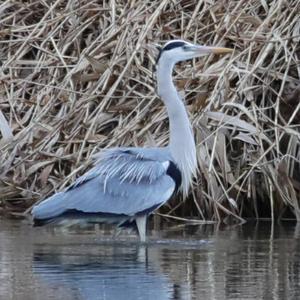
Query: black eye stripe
(170,46)
(173,45)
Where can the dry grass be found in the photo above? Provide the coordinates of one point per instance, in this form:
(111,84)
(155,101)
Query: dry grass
(76,77)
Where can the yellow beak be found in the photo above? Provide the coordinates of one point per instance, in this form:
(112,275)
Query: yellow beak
(219,50)
(203,50)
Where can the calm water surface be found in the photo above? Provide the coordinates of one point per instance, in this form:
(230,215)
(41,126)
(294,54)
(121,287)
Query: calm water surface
(253,261)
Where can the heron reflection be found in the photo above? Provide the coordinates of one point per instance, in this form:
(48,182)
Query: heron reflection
(112,273)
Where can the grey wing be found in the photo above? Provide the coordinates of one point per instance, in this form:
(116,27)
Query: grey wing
(124,181)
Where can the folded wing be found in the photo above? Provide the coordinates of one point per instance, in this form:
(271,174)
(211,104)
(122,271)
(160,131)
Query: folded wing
(123,182)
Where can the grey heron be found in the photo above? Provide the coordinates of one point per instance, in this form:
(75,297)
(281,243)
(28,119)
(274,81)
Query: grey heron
(126,184)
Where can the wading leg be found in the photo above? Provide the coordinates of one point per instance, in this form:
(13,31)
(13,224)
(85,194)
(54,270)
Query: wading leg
(141,222)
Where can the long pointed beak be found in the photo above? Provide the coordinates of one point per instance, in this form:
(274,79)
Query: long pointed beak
(202,50)
(217,50)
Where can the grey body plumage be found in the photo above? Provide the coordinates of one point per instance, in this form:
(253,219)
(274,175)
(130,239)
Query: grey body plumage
(127,184)
(124,183)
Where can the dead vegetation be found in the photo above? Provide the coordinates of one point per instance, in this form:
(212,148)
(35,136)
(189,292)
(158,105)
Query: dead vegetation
(77,76)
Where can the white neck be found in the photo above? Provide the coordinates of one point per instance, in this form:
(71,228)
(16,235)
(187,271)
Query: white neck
(182,143)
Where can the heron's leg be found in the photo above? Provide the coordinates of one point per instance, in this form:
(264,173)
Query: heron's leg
(117,232)
(141,222)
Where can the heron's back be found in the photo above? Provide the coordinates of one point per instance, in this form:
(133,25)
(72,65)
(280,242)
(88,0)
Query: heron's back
(124,183)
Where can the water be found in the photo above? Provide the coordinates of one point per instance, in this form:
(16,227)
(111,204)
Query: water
(253,261)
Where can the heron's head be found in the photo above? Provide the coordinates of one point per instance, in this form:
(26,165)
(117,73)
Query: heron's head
(179,50)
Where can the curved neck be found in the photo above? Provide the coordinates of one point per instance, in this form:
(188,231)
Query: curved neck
(181,143)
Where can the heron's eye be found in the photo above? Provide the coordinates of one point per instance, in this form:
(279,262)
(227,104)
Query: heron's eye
(185,48)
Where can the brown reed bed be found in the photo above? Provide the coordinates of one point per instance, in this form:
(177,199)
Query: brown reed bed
(77,77)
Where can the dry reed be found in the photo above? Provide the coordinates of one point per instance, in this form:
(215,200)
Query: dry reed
(76,77)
